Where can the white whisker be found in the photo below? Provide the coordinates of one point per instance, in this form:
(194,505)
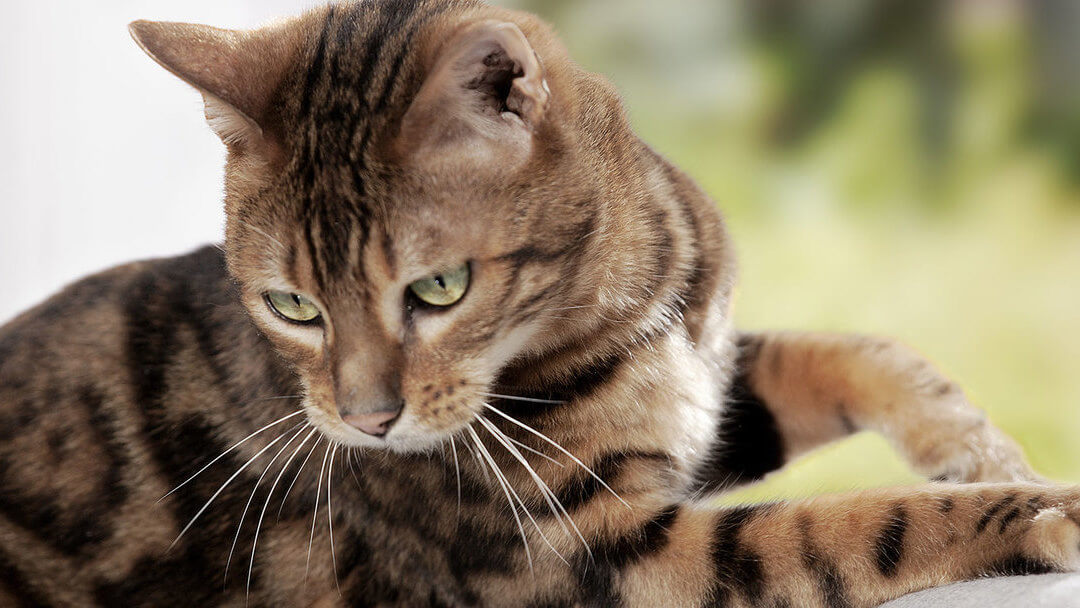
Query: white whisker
(534,451)
(297,476)
(552,500)
(234,446)
(561,449)
(243,515)
(330,516)
(262,514)
(315,513)
(222,488)
(457,474)
(536,479)
(506,491)
(352,469)
(262,232)
(516,398)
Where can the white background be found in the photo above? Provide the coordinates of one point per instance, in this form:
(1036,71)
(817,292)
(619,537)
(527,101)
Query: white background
(104,156)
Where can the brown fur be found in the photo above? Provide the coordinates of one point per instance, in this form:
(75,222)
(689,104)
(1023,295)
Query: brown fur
(376,143)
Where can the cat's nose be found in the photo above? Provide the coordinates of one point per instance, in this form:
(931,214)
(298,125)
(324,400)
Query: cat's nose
(376,424)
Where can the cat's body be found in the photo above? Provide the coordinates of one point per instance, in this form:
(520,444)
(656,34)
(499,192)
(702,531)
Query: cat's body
(376,150)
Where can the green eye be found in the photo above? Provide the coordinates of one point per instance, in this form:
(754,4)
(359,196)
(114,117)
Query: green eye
(442,289)
(293,307)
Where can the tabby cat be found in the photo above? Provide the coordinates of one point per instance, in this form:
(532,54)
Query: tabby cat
(467,343)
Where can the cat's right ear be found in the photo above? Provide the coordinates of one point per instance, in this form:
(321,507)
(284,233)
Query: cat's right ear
(483,98)
(237,73)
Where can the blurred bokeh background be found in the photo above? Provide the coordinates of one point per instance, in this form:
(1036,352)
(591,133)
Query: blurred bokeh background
(903,167)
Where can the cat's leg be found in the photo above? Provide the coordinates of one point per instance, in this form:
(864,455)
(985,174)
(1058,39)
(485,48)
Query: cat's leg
(796,391)
(854,550)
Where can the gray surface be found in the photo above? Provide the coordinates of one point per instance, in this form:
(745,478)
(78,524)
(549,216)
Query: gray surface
(1050,590)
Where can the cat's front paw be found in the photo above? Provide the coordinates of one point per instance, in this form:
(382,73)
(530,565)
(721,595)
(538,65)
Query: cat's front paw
(983,454)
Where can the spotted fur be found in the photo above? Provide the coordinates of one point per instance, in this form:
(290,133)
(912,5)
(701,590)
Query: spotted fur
(167,440)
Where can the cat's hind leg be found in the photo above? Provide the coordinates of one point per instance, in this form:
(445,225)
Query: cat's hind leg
(793,392)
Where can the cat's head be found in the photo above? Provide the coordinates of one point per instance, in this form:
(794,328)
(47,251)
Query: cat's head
(423,197)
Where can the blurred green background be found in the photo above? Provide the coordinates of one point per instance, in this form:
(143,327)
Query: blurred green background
(900,167)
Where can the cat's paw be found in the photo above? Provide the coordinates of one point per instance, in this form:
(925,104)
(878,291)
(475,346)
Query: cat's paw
(983,454)
(1054,536)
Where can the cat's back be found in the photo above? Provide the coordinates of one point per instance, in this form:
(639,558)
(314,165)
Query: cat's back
(80,332)
(83,377)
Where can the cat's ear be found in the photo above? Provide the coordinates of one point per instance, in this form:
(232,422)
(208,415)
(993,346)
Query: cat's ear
(237,72)
(482,100)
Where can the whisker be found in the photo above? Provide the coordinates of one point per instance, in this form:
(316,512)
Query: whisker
(352,470)
(503,484)
(480,461)
(234,446)
(262,232)
(262,514)
(549,496)
(534,451)
(457,474)
(243,515)
(297,476)
(561,449)
(515,398)
(222,488)
(540,484)
(330,516)
(315,514)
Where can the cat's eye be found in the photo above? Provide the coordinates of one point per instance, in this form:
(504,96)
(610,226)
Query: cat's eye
(293,307)
(442,289)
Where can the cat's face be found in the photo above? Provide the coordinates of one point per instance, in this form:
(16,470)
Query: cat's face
(405,217)
(399,338)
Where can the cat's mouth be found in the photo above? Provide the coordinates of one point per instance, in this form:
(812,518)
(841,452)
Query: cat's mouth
(398,431)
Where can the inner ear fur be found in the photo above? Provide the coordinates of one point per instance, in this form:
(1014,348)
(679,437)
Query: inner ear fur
(482,99)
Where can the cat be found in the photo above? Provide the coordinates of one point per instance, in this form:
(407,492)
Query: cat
(467,343)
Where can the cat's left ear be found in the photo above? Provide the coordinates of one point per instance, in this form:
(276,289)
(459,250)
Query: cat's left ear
(482,100)
(237,72)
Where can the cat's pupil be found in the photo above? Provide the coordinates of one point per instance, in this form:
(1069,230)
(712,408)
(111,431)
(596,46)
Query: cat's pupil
(295,299)
(440,282)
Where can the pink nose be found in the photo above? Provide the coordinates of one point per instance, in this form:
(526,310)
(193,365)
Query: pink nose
(375,423)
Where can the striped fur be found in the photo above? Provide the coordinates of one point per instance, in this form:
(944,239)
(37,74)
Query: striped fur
(593,345)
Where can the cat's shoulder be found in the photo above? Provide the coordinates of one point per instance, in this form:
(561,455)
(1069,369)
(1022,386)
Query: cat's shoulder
(92,309)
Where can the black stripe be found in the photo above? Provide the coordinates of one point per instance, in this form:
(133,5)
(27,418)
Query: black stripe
(612,556)
(190,291)
(830,582)
(748,444)
(581,384)
(992,511)
(316,68)
(19,586)
(651,538)
(692,293)
(585,487)
(945,504)
(313,249)
(71,529)
(1007,519)
(889,547)
(738,569)
(1018,565)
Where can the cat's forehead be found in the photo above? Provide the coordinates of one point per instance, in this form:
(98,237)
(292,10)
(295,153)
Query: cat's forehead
(355,74)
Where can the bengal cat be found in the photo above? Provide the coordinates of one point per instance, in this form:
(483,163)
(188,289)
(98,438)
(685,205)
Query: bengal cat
(467,343)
